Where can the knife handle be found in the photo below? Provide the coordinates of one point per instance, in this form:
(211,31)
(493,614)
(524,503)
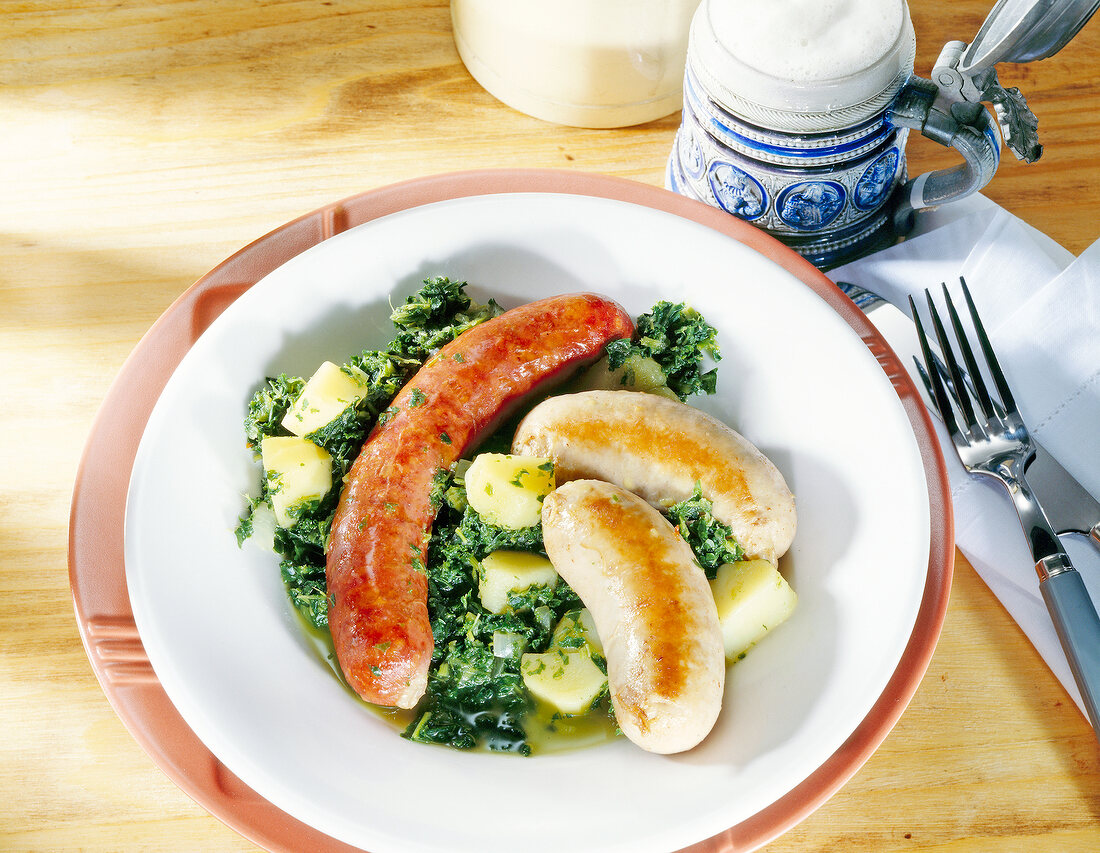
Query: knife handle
(1078,627)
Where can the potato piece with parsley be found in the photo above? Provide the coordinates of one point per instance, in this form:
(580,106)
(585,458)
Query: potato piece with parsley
(323,399)
(507,491)
(636,373)
(752,598)
(567,679)
(298,472)
(577,630)
(505,572)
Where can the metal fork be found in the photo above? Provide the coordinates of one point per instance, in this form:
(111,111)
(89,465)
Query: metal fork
(992,440)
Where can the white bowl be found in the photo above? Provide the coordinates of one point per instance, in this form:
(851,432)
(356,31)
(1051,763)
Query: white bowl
(795,379)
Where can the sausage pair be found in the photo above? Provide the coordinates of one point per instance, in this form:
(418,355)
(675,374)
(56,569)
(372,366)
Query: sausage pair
(627,453)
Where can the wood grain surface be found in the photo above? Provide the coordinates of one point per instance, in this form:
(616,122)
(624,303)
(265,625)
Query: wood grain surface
(141,143)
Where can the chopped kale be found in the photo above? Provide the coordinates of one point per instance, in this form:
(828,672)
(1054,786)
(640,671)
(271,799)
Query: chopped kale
(343,437)
(679,340)
(307,590)
(305,541)
(710,539)
(473,696)
(433,316)
(473,700)
(268,406)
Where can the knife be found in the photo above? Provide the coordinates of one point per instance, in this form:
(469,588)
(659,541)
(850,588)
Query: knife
(1072,510)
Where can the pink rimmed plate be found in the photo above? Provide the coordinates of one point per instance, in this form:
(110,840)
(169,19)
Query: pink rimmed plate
(197,649)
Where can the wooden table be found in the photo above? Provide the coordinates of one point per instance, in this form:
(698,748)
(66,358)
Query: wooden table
(144,142)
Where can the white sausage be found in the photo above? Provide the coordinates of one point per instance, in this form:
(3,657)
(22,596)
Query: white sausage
(659,449)
(652,607)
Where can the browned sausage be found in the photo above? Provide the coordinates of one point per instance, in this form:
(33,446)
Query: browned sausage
(662,450)
(653,609)
(378,591)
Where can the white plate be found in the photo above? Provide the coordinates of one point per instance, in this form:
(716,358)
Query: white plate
(795,379)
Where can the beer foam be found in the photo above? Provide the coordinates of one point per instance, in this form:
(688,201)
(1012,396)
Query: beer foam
(808,40)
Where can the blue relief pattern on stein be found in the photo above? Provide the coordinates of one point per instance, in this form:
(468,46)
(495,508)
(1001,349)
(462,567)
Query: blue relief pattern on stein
(876,180)
(823,194)
(810,205)
(737,191)
(692,159)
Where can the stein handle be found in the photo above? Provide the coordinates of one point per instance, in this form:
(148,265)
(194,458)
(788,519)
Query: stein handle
(949,109)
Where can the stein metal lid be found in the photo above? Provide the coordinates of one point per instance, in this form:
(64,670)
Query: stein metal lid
(760,86)
(1025,31)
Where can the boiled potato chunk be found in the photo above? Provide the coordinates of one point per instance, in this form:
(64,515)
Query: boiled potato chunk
(567,679)
(752,598)
(299,471)
(577,630)
(507,490)
(508,644)
(325,396)
(637,373)
(263,528)
(505,572)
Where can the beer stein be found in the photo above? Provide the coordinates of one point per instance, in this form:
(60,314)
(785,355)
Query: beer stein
(806,138)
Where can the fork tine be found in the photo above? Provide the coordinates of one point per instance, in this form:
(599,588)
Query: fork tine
(924,373)
(990,357)
(941,368)
(937,390)
(941,377)
(977,384)
(948,355)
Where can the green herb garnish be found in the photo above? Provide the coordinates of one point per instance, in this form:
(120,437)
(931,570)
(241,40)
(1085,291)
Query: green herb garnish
(710,539)
(680,341)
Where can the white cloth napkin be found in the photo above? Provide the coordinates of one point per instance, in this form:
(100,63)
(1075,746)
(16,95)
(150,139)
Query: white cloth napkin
(1041,307)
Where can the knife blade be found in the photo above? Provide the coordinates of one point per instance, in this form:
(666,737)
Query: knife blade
(1072,510)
